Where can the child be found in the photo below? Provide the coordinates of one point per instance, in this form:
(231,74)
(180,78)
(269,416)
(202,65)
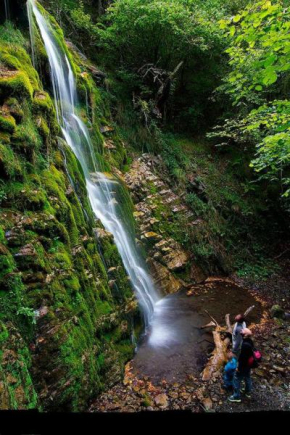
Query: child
(229,371)
(237,338)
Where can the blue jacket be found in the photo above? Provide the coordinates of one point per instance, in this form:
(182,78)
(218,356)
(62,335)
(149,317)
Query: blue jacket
(231,367)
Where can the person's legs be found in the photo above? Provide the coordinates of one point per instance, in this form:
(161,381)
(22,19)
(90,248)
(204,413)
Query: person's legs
(248,382)
(236,397)
(228,382)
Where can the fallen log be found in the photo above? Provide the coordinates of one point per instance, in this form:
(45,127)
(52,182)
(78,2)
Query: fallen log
(218,357)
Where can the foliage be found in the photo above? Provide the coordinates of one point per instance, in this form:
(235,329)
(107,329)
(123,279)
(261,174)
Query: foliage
(145,41)
(259,59)
(259,51)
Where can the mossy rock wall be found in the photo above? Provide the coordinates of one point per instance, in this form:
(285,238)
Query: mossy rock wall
(67,310)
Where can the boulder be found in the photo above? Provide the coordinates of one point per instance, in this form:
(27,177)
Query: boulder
(163,278)
(176,260)
(277,311)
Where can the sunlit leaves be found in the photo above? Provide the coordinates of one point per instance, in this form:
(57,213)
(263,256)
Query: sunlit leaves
(259,57)
(259,47)
(269,76)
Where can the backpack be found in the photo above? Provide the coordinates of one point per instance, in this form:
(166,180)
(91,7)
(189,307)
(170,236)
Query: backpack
(255,359)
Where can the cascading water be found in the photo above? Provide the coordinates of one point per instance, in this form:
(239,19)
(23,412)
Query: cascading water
(103,191)
(7,12)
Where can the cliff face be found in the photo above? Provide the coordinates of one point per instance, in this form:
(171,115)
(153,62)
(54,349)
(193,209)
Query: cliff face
(67,307)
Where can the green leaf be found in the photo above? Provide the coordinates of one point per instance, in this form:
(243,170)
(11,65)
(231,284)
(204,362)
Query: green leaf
(237,18)
(270,60)
(270,77)
(232,30)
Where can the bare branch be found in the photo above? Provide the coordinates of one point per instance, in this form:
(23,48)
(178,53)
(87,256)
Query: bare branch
(228,323)
(249,310)
(208,325)
(213,319)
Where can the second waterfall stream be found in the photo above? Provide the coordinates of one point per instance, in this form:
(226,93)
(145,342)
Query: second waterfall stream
(99,186)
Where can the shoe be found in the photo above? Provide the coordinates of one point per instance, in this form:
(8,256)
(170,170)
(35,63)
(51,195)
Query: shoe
(234,399)
(243,391)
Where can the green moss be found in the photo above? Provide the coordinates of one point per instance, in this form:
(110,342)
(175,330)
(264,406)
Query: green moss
(7,264)
(26,196)
(42,103)
(7,123)
(126,351)
(2,235)
(4,334)
(15,57)
(103,308)
(15,83)
(11,35)
(5,137)
(42,127)
(15,108)
(33,258)
(9,162)
(26,134)
(63,260)
(72,284)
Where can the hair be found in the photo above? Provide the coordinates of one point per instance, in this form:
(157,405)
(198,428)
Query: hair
(239,318)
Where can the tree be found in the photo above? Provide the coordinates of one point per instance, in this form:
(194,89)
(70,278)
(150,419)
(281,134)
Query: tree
(144,40)
(258,83)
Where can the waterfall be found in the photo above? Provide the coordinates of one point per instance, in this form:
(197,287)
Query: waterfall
(7,12)
(103,191)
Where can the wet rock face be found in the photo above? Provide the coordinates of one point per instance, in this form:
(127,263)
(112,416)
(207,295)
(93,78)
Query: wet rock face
(163,278)
(67,307)
(156,207)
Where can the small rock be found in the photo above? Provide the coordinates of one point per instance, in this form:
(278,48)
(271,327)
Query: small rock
(152,236)
(161,400)
(207,403)
(279,369)
(106,129)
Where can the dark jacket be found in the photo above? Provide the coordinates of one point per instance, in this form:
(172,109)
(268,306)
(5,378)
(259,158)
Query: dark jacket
(246,352)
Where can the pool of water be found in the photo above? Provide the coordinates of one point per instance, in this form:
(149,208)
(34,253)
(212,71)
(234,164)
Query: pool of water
(176,346)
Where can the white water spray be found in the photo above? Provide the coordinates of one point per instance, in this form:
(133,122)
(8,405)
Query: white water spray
(102,191)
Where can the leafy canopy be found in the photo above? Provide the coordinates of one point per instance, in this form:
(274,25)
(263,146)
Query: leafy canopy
(259,57)
(260,48)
